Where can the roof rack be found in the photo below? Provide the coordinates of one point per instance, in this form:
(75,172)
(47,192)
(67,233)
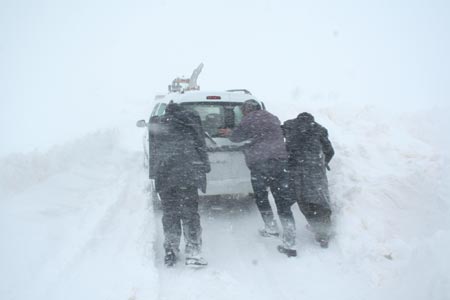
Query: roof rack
(240,90)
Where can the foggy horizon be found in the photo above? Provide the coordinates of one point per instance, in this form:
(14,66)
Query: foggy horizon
(71,68)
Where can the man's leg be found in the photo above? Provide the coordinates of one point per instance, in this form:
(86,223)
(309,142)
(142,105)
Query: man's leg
(171,223)
(191,220)
(315,202)
(191,226)
(319,218)
(287,222)
(258,180)
(279,186)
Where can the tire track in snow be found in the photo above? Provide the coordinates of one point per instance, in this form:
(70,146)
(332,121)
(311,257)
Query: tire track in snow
(111,260)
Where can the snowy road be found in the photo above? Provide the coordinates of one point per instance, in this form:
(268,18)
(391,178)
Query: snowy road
(75,223)
(243,265)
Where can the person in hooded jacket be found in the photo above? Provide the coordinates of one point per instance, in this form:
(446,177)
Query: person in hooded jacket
(178,164)
(310,151)
(266,157)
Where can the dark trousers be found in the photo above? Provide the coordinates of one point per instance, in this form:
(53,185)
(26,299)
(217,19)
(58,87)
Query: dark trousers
(318,217)
(309,181)
(273,174)
(180,213)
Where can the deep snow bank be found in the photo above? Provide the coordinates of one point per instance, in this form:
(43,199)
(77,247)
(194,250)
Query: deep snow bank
(21,171)
(390,185)
(75,224)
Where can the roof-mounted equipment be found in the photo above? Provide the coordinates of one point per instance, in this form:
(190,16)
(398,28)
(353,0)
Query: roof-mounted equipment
(180,85)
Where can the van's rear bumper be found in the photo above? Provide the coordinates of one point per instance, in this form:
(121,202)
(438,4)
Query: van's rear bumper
(228,187)
(229,174)
(223,187)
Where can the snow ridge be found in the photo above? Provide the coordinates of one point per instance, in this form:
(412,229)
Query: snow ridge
(76,223)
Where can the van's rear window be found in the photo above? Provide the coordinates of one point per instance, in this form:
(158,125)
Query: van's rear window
(216,115)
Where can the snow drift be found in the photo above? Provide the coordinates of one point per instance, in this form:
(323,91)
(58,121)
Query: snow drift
(76,224)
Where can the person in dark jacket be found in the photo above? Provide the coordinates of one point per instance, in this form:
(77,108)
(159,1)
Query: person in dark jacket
(266,157)
(178,164)
(310,152)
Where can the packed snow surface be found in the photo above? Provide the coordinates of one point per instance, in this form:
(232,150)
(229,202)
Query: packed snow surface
(76,221)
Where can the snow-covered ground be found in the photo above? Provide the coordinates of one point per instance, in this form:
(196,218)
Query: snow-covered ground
(75,221)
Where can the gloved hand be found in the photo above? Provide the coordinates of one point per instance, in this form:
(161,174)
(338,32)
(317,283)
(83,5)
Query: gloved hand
(206,167)
(203,167)
(224,132)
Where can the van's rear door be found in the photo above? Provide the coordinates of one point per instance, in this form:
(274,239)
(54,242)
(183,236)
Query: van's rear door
(229,173)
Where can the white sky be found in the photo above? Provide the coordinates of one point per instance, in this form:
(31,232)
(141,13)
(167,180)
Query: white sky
(70,67)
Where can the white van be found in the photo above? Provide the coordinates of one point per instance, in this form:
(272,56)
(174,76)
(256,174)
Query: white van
(217,109)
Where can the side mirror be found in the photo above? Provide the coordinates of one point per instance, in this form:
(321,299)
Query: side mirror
(141,123)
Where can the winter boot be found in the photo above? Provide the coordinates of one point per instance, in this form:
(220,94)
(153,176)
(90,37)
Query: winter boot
(170,259)
(270,229)
(322,239)
(288,251)
(196,261)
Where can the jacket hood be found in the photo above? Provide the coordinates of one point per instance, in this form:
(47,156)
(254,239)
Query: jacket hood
(305,121)
(305,117)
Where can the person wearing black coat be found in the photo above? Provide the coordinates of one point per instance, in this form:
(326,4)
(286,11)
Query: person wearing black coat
(178,164)
(309,153)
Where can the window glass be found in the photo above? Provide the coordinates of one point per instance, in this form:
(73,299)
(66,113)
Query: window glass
(161,109)
(154,109)
(237,114)
(216,115)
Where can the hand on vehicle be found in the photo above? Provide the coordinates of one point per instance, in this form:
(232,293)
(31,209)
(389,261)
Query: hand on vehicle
(207,168)
(224,131)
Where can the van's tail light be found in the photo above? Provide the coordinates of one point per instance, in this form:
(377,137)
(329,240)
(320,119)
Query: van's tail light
(213,97)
